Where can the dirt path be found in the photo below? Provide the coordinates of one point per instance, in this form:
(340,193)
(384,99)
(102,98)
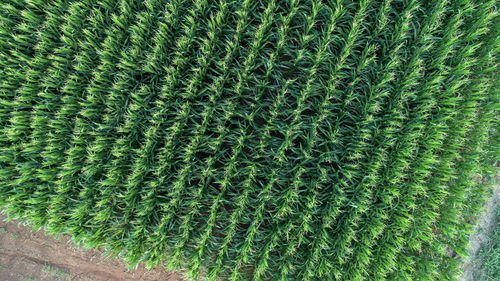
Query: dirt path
(28,256)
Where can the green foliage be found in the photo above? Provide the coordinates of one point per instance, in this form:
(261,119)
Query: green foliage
(489,254)
(253,140)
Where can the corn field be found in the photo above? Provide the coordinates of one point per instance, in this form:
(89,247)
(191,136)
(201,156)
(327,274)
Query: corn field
(253,140)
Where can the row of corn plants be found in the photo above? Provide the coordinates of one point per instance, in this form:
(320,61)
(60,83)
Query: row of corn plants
(253,140)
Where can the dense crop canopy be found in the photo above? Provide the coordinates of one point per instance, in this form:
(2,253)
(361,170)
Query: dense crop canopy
(261,140)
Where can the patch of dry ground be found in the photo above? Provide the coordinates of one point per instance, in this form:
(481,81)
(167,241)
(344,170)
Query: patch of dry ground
(28,256)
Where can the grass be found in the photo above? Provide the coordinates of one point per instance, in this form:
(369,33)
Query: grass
(489,254)
(253,140)
(12,235)
(55,271)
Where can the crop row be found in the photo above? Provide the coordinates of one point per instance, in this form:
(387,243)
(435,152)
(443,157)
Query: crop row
(259,140)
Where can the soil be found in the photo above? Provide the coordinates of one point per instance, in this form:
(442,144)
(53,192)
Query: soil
(28,255)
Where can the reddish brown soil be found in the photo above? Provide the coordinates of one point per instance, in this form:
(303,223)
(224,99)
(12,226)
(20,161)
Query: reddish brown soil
(26,255)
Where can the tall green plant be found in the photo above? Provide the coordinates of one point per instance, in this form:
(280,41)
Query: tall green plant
(253,140)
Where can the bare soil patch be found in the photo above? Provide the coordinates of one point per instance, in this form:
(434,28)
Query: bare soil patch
(33,255)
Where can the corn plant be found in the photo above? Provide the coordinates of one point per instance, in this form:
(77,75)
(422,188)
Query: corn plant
(253,140)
